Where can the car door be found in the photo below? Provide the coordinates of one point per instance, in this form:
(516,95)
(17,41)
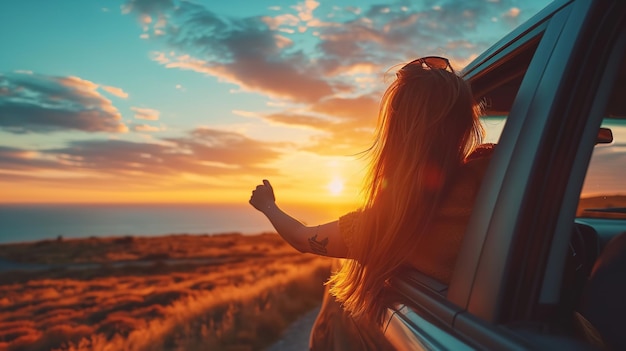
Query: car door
(551,78)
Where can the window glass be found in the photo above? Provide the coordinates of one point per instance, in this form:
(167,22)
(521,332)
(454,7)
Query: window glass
(604,191)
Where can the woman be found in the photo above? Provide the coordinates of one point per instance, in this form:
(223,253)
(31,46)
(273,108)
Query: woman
(425,168)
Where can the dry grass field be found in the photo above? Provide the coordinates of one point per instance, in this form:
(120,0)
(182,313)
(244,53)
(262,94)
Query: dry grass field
(178,292)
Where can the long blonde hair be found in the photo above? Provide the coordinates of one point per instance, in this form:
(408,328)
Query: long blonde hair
(428,124)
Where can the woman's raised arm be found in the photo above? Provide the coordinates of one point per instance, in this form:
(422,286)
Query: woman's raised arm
(324,239)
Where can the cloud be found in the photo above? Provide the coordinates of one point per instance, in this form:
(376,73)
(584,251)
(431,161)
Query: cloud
(311,61)
(259,55)
(363,108)
(228,148)
(513,12)
(300,120)
(203,152)
(147,6)
(327,114)
(145,128)
(351,41)
(344,139)
(27,160)
(346,124)
(396,32)
(146,113)
(36,103)
(305,9)
(353,132)
(280,79)
(512,16)
(242,51)
(115,91)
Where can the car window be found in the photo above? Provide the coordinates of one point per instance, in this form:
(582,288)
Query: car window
(496,90)
(604,190)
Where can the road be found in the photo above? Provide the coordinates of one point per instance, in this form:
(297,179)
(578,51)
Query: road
(296,337)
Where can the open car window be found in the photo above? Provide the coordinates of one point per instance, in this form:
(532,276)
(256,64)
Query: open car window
(496,90)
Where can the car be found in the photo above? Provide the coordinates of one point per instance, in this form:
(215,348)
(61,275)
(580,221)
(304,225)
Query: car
(552,199)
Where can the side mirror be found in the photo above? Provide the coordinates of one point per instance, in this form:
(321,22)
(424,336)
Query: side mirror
(605,136)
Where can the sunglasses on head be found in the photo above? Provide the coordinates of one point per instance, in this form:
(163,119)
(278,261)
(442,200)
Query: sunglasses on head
(432,62)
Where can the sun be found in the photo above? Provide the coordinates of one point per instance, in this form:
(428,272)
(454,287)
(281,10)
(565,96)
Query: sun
(335,186)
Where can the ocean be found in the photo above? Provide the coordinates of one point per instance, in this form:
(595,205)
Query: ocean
(22,223)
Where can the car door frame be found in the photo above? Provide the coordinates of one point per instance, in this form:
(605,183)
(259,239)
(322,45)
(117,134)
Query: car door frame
(532,196)
(474,306)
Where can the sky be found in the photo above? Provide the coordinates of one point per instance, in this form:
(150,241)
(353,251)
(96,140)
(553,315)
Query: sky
(167,101)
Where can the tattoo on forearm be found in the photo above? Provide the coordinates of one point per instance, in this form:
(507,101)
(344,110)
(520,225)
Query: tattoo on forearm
(318,247)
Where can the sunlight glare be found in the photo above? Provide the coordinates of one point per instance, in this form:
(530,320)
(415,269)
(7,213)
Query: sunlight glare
(335,186)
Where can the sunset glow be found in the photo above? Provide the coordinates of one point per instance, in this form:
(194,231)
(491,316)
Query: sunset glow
(141,101)
(335,186)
